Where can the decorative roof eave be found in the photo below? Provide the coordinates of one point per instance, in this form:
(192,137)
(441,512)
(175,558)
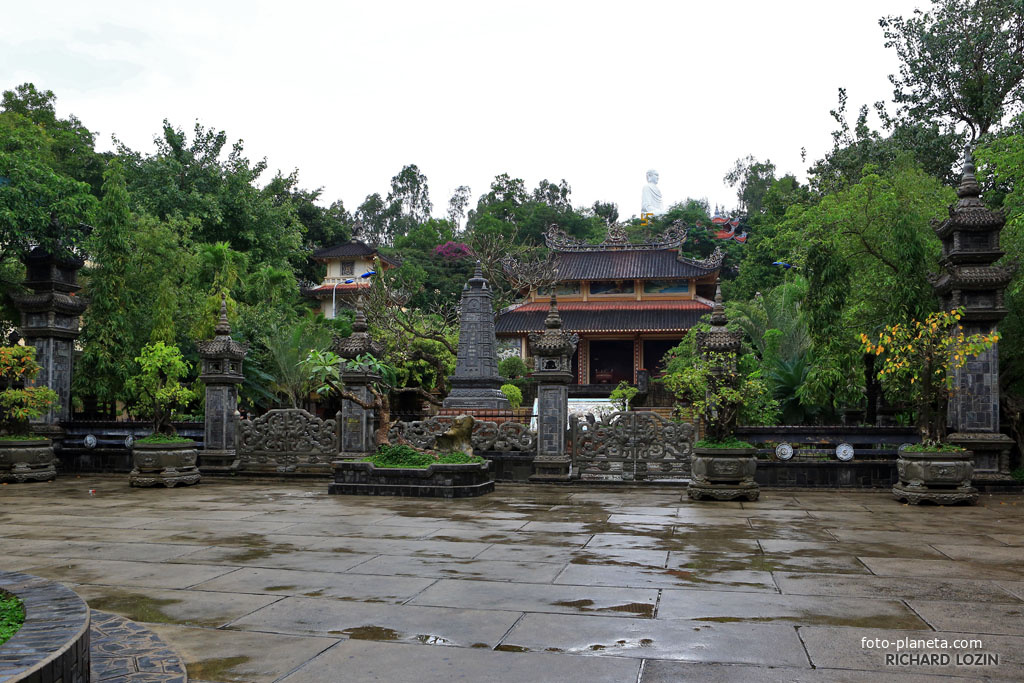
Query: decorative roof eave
(969,213)
(553,341)
(719,338)
(711,263)
(359,342)
(973,278)
(556,239)
(222,345)
(45,301)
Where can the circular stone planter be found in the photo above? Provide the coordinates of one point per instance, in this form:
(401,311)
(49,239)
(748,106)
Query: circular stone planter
(723,474)
(435,481)
(940,478)
(53,643)
(167,464)
(27,460)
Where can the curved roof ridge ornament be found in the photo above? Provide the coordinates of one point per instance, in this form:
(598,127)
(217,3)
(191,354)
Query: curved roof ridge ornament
(674,237)
(712,262)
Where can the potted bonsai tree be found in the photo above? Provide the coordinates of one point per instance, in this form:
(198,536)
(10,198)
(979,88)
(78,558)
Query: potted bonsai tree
(163,457)
(708,376)
(23,456)
(918,362)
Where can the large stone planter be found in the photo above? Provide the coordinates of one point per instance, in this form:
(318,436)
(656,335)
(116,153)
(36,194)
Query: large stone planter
(436,481)
(53,643)
(723,474)
(941,478)
(28,460)
(168,464)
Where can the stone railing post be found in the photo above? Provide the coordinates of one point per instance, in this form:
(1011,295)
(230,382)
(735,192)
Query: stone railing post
(49,322)
(552,351)
(221,359)
(358,424)
(970,247)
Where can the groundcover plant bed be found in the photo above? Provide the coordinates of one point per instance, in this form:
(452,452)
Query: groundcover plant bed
(12,614)
(408,457)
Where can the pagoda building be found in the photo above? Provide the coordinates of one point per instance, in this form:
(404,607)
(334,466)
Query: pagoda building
(629,303)
(350,267)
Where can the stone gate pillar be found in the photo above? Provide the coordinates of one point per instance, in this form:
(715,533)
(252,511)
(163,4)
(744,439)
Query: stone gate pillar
(970,247)
(222,359)
(552,350)
(49,322)
(476,383)
(358,424)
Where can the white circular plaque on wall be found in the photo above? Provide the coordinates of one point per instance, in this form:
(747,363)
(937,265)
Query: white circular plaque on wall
(844,452)
(783,451)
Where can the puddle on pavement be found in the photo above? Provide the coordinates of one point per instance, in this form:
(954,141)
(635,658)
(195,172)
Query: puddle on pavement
(138,608)
(642,609)
(280,588)
(512,648)
(433,640)
(370,633)
(216,669)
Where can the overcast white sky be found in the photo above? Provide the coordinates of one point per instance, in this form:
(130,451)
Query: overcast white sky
(348,92)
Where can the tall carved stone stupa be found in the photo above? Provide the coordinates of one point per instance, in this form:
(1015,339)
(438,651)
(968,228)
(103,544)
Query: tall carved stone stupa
(222,359)
(970,247)
(476,383)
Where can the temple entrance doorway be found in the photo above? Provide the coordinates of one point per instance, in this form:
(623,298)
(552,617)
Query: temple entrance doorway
(654,354)
(611,361)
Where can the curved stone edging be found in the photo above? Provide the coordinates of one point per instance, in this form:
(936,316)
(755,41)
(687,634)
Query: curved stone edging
(53,643)
(124,651)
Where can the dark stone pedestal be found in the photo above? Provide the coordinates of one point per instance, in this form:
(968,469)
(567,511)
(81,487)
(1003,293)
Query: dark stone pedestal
(358,424)
(436,481)
(166,464)
(29,460)
(940,478)
(724,474)
(553,461)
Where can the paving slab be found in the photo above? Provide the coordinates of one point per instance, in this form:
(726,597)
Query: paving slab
(124,573)
(770,644)
(898,587)
(360,660)
(394,546)
(845,648)
(318,584)
(983,553)
(971,617)
(224,656)
(538,597)
(438,567)
(564,554)
(645,577)
(836,549)
(186,607)
(713,562)
(662,671)
(364,621)
(953,569)
(276,557)
(730,606)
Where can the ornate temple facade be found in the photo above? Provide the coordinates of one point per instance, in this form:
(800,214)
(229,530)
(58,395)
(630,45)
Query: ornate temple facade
(629,303)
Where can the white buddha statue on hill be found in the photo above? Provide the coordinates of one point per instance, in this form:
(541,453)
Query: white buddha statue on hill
(650,202)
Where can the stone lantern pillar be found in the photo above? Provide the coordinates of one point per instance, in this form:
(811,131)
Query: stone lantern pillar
(50,323)
(358,424)
(970,247)
(552,350)
(476,383)
(222,359)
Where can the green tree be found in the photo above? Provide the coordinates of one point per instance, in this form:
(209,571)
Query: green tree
(109,328)
(157,388)
(962,62)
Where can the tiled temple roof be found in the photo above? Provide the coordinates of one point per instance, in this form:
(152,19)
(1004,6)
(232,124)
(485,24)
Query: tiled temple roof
(354,249)
(631,264)
(606,316)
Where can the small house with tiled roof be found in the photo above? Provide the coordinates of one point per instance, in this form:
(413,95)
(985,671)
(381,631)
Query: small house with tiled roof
(629,303)
(350,267)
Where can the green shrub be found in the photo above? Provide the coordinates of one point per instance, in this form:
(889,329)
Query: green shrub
(12,614)
(512,367)
(406,457)
(729,443)
(512,393)
(163,438)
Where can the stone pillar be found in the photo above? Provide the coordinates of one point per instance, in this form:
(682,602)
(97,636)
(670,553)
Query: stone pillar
(552,351)
(970,247)
(358,424)
(50,322)
(222,359)
(476,383)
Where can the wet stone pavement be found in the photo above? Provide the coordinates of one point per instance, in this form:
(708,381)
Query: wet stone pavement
(271,581)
